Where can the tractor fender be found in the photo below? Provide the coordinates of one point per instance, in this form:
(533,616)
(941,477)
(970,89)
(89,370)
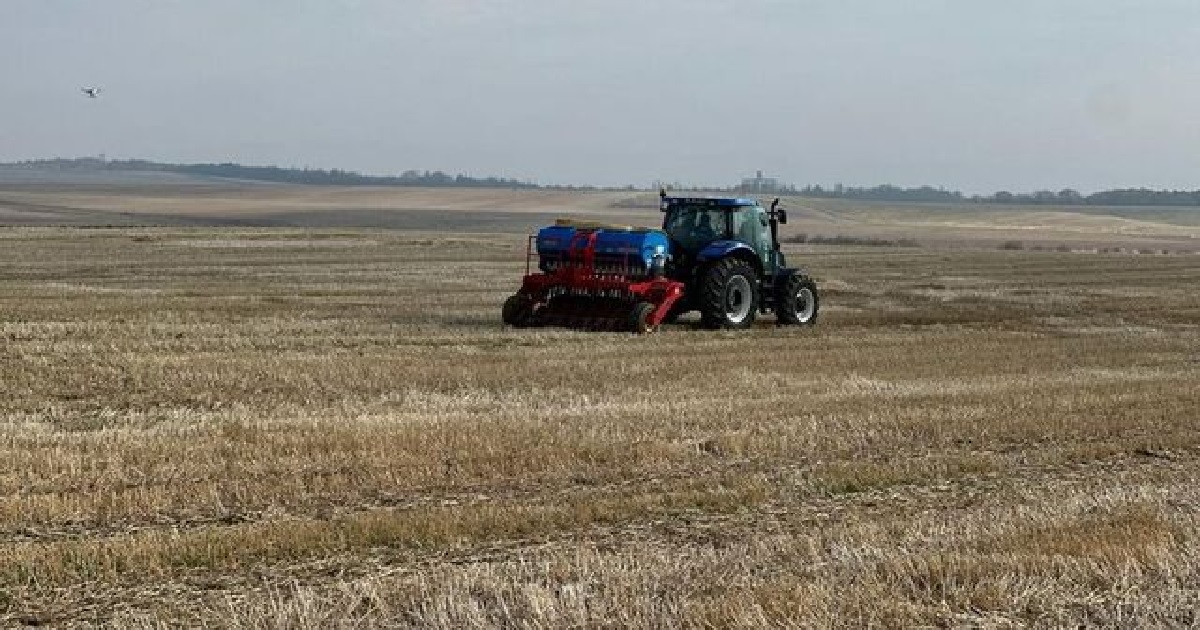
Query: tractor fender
(718,250)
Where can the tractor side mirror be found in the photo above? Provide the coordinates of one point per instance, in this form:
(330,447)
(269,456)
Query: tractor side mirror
(778,213)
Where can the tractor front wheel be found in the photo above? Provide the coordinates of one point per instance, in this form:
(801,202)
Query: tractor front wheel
(729,295)
(797,302)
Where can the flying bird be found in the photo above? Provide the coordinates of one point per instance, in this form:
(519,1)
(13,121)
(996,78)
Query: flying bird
(91,92)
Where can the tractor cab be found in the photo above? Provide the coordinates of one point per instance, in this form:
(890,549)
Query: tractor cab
(704,229)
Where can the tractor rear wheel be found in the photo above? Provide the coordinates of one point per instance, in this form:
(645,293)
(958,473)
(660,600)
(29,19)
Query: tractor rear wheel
(729,295)
(797,302)
(517,311)
(639,318)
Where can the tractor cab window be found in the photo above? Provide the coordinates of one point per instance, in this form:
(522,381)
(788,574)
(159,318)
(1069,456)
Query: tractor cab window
(696,226)
(747,224)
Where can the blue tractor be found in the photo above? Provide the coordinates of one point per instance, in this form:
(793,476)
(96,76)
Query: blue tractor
(718,256)
(726,252)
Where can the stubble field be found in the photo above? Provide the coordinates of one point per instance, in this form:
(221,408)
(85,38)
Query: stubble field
(309,428)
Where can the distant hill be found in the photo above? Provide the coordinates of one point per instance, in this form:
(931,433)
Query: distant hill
(17,176)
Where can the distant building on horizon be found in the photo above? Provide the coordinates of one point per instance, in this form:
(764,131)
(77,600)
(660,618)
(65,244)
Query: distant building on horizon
(759,184)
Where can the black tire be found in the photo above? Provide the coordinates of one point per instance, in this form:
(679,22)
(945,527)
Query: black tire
(729,295)
(639,318)
(797,302)
(517,311)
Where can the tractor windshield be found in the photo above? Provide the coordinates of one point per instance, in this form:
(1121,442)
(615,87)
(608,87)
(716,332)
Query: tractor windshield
(694,226)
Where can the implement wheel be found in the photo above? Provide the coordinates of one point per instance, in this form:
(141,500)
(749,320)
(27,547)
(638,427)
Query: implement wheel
(797,302)
(729,295)
(639,318)
(517,311)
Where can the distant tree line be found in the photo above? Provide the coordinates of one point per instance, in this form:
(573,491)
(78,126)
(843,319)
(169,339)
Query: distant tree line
(1119,197)
(311,176)
(1066,197)
(887,192)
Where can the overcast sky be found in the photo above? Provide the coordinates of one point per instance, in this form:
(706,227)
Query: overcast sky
(970,94)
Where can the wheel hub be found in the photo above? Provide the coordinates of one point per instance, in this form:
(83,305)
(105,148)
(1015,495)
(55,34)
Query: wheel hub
(805,304)
(738,299)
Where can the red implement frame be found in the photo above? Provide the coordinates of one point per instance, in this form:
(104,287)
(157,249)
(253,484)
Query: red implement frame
(591,296)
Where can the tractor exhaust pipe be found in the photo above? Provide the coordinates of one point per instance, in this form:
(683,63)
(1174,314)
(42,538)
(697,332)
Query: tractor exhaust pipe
(778,216)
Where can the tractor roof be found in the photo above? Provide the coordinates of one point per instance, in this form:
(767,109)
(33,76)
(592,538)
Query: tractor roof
(711,201)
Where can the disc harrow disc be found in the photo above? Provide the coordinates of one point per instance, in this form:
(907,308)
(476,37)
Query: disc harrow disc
(586,313)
